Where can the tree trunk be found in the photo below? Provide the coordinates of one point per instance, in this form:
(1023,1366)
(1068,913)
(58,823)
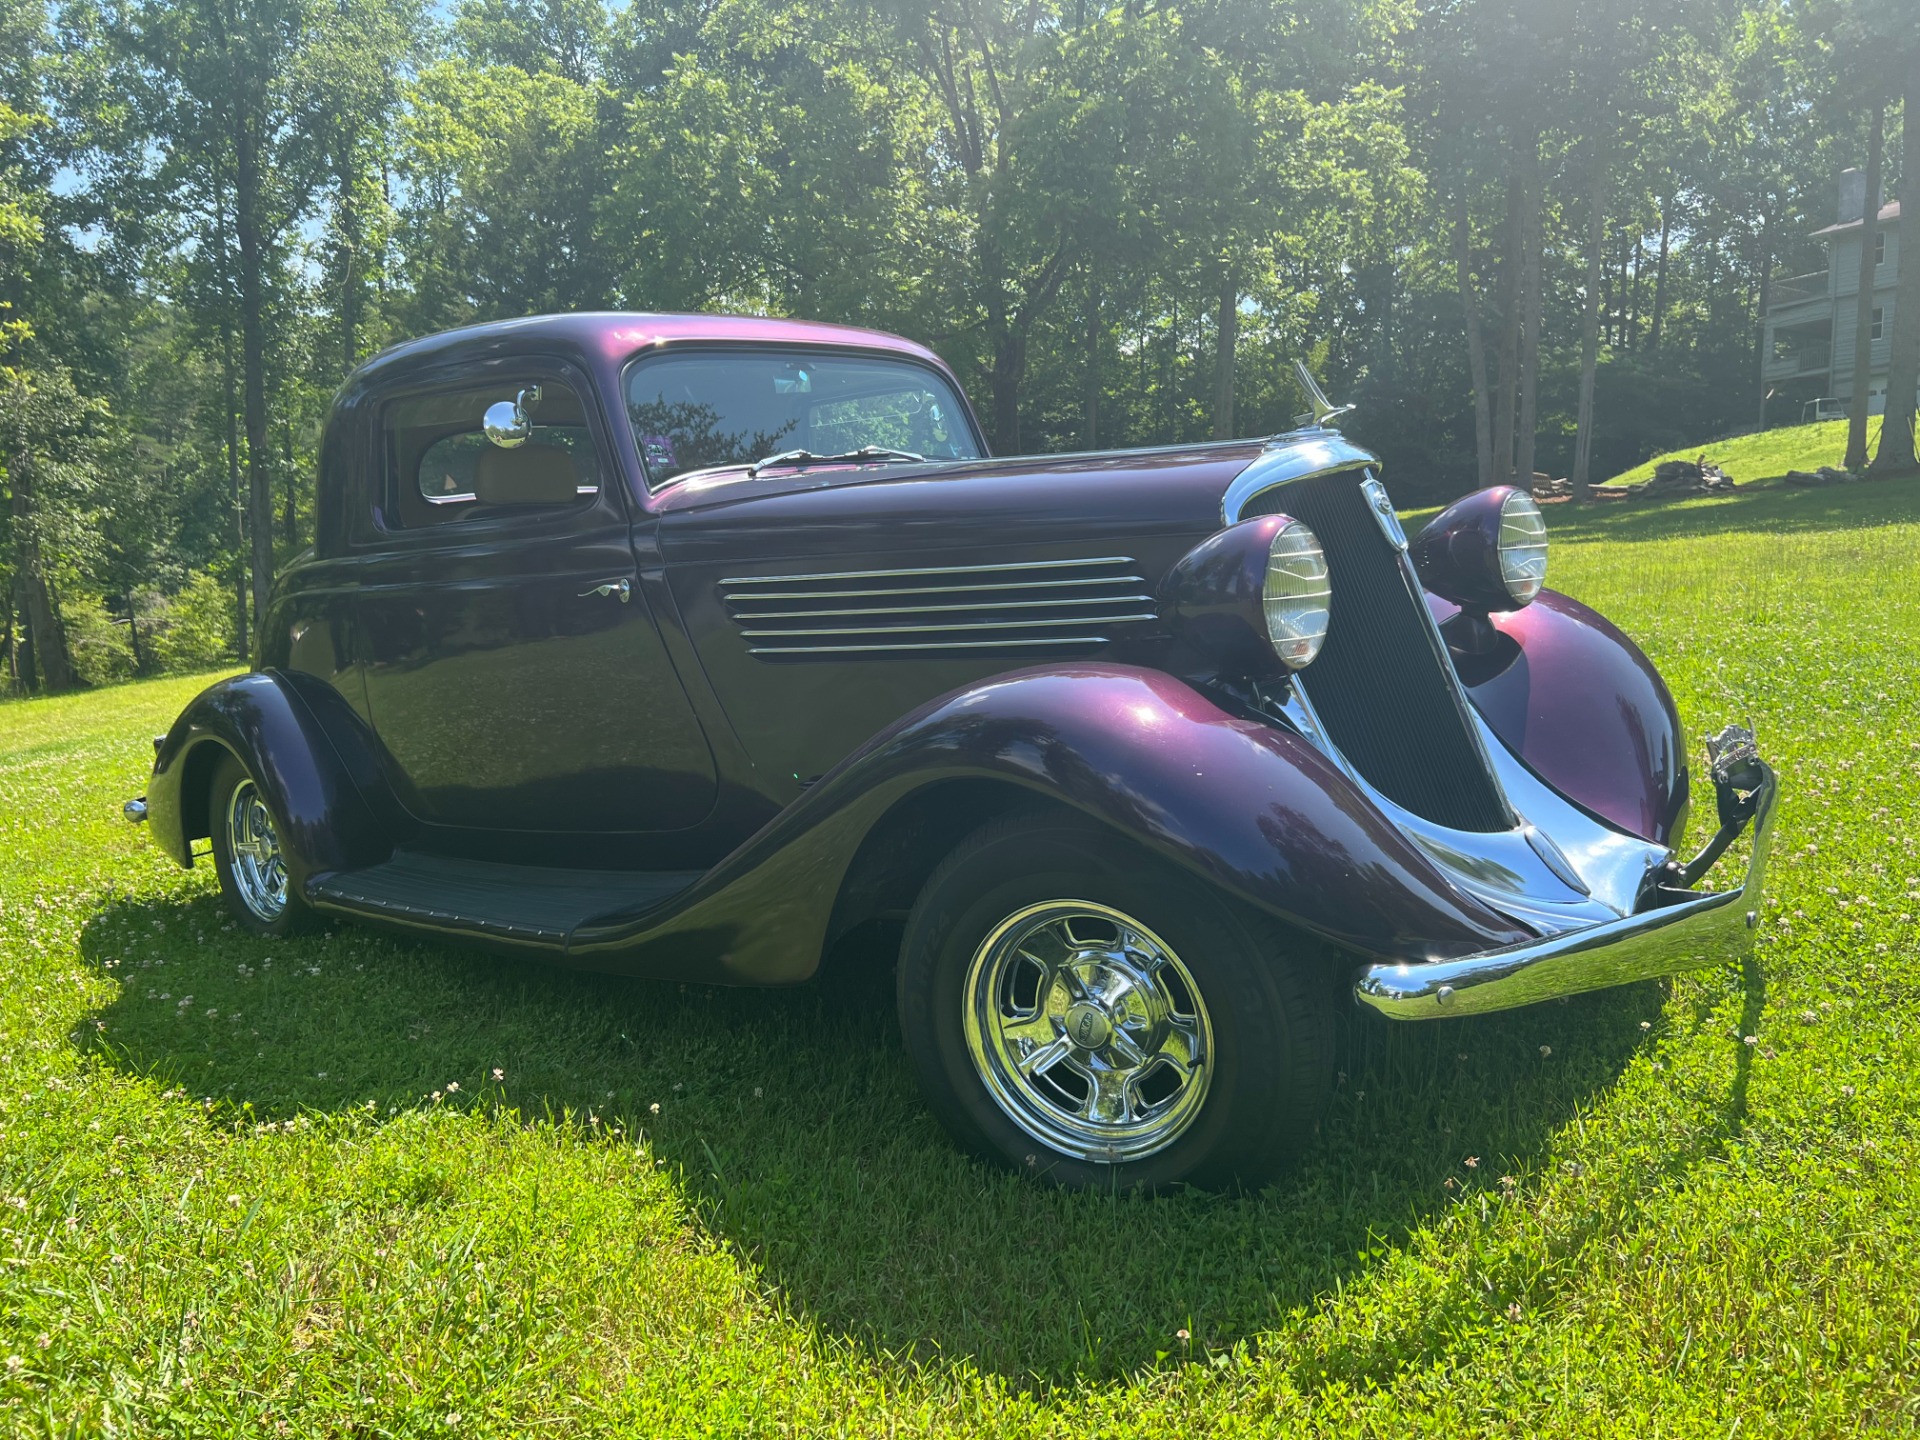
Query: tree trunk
(349,251)
(44,629)
(241,606)
(133,633)
(1863,309)
(46,635)
(1903,363)
(289,512)
(1507,349)
(253,351)
(1630,322)
(1008,374)
(1590,327)
(1660,278)
(1476,345)
(1760,310)
(1090,399)
(24,669)
(1226,337)
(1606,301)
(1533,299)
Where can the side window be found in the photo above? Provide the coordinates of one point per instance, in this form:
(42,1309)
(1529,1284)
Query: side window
(441,469)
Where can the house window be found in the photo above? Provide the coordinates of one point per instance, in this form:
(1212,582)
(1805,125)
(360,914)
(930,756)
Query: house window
(1879,322)
(1879,247)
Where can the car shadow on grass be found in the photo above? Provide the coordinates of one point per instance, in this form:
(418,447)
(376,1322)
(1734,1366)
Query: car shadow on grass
(791,1121)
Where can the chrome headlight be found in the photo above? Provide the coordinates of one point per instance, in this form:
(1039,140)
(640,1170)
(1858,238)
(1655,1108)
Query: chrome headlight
(1522,547)
(1250,600)
(1296,596)
(1486,552)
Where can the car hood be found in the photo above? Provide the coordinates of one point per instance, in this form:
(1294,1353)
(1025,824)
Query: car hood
(973,505)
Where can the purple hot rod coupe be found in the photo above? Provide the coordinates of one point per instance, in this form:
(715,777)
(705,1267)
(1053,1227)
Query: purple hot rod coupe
(682,646)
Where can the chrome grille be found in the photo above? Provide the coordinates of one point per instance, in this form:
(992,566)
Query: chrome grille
(1381,685)
(1035,604)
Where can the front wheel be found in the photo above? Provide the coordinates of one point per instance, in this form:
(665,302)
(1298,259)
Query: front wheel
(1075,1008)
(247,854)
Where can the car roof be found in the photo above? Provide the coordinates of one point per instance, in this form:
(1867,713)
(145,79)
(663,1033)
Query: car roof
(613,335)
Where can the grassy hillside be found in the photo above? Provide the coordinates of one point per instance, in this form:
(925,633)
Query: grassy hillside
(241,1195)
(1767,454)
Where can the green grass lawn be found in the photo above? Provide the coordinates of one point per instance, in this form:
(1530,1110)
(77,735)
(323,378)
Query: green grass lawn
(240,1193)
(1768,454)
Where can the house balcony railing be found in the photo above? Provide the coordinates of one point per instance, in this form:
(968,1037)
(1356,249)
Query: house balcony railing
(1808,359)
(1797,289)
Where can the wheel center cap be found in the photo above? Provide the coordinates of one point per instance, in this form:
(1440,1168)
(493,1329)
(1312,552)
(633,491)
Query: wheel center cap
(1087,1025)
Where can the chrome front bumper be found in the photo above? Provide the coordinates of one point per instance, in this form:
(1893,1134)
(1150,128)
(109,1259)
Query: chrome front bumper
(1690,932)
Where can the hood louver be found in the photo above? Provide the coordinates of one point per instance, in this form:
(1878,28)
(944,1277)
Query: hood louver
(1051,604)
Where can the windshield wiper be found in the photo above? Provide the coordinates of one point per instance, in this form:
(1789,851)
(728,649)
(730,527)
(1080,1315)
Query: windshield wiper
(807,457)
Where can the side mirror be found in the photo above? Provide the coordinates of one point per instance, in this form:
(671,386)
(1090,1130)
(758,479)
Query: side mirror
(507,422)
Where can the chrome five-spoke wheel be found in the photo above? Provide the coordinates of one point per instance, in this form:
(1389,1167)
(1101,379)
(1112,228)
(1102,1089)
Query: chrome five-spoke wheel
(259,871)
(1077,1010)
(1088,1031)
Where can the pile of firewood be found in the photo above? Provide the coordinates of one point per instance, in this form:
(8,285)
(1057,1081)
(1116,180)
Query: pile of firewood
(1672,480)
(1675,478)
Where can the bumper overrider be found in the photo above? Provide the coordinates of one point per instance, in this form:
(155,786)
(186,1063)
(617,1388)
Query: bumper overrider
(1676,928)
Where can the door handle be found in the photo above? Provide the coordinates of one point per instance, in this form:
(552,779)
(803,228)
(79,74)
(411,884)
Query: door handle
(622,587)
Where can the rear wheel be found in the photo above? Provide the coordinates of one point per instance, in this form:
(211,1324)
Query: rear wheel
(247,854)
(1077,1009)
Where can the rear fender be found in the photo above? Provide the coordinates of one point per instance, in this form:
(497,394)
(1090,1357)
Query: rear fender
(1250,807)
(266,721)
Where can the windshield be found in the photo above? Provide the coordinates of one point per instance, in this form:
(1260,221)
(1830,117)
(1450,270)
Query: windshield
(696,410)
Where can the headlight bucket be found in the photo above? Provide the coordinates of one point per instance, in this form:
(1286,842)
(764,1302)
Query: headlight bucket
(1486,552)
(1253,599)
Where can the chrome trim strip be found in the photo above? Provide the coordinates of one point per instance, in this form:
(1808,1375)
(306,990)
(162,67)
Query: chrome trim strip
(1383,512)
(1296,455)
(928,645)
(1503,868)
(972,625)
(1709,929)
(946,609)
(929,570)
(750,596)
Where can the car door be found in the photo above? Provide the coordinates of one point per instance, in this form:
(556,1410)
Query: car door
(514,676)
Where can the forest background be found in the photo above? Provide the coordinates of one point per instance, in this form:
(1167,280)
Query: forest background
(1520,234)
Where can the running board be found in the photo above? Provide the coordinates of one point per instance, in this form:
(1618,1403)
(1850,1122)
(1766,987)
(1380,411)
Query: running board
(526,906)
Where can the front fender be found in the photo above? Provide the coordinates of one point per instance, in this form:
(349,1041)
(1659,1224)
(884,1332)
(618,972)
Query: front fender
(1576,700)
(1253,808)
(263,719)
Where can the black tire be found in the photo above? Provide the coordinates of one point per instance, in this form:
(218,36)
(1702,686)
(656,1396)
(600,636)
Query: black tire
(241,891)
(1260,992)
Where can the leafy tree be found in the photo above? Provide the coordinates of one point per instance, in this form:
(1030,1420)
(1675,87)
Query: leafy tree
(217,84)
(504,170)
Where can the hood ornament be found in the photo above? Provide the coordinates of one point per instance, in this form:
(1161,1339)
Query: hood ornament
(1324,411)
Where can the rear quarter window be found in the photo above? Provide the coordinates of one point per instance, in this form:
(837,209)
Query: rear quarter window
(433,447)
